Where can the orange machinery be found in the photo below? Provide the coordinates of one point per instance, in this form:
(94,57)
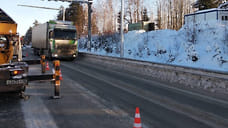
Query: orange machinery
(13,75)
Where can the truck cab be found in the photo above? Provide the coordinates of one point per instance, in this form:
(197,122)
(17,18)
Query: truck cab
(55,39)
(63,42)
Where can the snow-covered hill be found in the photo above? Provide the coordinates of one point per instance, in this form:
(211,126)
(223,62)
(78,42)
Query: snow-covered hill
(202,46)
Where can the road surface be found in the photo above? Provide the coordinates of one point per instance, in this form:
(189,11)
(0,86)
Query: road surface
(96,96)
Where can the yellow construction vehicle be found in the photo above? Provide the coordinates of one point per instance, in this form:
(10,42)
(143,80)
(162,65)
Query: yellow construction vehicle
(13,73)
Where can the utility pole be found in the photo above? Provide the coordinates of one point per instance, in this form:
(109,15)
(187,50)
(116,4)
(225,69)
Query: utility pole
(89,24)
(121,30)
(64,13)
(89,3)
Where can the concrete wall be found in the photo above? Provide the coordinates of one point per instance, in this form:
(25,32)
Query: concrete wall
(194,78)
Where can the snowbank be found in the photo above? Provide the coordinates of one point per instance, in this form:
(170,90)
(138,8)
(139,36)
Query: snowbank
(202,46)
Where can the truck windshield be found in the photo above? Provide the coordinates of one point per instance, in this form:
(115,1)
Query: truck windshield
(64,34)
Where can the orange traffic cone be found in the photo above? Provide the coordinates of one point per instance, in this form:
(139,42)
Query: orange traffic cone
(137,123)
(47,66)
(61,76)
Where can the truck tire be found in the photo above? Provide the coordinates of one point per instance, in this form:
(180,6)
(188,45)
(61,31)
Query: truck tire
(34,51)
(49,56)
(23,88)
(72,59)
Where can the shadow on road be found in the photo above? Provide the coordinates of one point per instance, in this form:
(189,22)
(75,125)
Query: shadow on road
(11,115)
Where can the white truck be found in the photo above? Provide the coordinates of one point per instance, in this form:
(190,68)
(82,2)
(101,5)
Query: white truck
(55,39)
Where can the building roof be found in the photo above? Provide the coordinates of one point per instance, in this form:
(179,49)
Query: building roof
(206,11)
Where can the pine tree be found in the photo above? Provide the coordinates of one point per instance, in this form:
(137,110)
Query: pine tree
(28,36)
(207,4)
(35,23)
(75,14)
(145,15)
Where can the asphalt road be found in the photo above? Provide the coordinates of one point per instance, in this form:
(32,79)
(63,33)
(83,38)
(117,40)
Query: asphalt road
(161,106)
(96,96)
(10,112)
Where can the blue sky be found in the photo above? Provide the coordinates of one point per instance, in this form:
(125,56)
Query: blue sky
(25,16)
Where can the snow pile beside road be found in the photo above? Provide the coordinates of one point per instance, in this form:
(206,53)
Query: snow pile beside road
(202,46)
(208,42)
(102,45)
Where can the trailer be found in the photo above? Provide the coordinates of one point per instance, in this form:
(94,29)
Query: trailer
(55,39)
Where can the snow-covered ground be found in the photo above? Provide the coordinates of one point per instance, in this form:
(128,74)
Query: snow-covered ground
(202,46)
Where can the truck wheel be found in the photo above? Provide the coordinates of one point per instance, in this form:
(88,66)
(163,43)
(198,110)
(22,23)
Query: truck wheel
(34,51)
(38,52)
(49,56)
(23,88)
(71,59)
(23,96)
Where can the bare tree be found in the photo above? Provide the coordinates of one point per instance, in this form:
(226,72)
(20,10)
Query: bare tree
(170,13)
(94,23)
(134,10)
(159,15)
